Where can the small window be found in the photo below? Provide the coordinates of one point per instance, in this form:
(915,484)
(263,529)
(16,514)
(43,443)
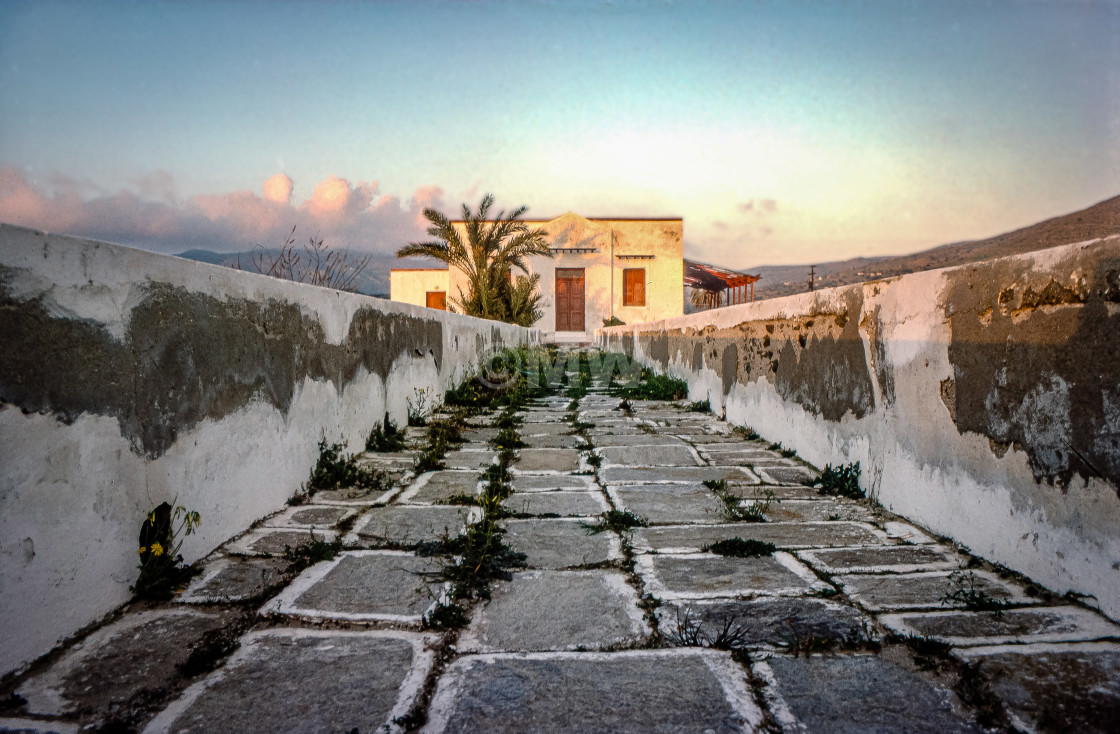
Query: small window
(437,299)
(634,287)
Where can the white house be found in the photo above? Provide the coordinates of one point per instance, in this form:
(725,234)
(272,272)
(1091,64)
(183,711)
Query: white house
(631,269)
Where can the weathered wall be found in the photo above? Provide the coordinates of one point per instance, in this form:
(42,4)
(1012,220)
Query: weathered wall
(982,401)
(129,378)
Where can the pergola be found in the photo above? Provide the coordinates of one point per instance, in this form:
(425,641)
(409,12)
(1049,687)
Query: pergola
(721,287)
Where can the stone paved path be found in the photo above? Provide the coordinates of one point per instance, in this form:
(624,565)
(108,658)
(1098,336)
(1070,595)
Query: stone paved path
(850,625)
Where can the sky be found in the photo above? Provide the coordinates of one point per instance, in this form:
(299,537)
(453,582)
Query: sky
(782,132)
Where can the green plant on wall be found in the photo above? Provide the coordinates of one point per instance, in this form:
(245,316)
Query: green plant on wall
(161,536)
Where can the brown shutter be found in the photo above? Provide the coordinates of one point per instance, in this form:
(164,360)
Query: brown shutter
(634,287)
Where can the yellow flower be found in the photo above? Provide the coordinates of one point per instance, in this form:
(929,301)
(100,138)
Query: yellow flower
(157,549)
(142,549)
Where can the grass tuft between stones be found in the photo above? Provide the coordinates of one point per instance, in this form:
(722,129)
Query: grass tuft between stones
(739,548)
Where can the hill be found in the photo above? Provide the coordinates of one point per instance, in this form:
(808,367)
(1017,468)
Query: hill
(1099,220)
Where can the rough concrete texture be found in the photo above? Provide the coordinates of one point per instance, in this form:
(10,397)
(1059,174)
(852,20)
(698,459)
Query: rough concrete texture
(364,585)
(762,623)
(546,483)
(559,461)
(622,693)
(272,542)
(882,559)
(564,504)
(557,610)
(305,680)
(649,456)
(436,487)
(234,580)
(561,543)
(706,576)
(675,503)
(634,474)
(308,517)
(403,525)
(1045,688)
(925,590)
(118,662)
(1009,363)
(688,539)
(858,693)
(159,368)
(1049,624)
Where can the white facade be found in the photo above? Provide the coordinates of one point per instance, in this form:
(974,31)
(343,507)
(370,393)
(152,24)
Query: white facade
(597,253)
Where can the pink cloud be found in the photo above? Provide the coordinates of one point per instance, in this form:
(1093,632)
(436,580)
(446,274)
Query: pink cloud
(758,206)
(343,214)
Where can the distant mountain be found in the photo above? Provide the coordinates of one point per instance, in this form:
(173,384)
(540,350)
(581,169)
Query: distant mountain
(373,281)
(1099,220)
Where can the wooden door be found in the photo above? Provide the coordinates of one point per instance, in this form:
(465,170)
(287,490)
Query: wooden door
(569,299)
(437,299)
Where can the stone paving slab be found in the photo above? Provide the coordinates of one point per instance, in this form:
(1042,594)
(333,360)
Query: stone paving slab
(309,516)
(552,482)
(561,543)
(691,538)
(705,440)
(405,525)
(362,586)
(785,509)
(126,658)
(763,623)
(744,458)
(637,692)
(530,430)
(479,435)
(469,459)
(907,533)
(553,442)
(234,580)
(271,542)
(547,461)
(616,429)
(850,694)
(922,590)
(37,726)
(682,503)
(883,559)
(1054,687)
(755,490)
(298,680)
(556,610)
(650,456)
(357,496)
(784,474)
(738,447)
(708,576)
(564,504)
(439,486)
(672,474)
(544,416)
(1045,624)
(643,439)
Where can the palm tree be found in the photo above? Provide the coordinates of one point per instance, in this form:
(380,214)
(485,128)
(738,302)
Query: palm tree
(490,252)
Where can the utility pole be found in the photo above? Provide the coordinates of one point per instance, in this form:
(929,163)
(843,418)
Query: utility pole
(811,278)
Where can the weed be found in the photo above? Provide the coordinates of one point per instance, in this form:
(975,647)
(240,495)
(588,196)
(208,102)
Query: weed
(965,592)
(739,548)
(614,321)
(788,453)
(691,633)
(386,439)
(582,426)
(719,486)
(507,438)
(655,387)
(626,407)
(420,406)
(336,470)
(461,499)
(776,446)
(617,521)
(161,535)
(746,433)
(929,654)
(843,481)
(445,616)
(310,553)
(733,509)
(430,459)
(699,406)
(594,459)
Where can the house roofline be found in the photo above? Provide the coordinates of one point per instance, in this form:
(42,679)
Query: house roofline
(411,270)
(591,219)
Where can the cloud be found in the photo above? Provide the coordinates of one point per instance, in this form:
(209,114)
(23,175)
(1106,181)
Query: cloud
(759,207)
(152,218)
(278,189)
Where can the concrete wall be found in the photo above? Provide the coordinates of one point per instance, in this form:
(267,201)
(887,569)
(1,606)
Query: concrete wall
(411,285)
(661,238)
(129,378)
(982,401)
